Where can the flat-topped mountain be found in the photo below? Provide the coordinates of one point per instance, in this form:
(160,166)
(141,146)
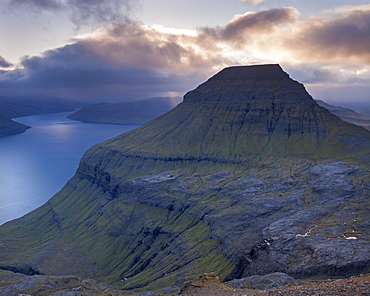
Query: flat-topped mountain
(135,112)
(244,112)
(247,176)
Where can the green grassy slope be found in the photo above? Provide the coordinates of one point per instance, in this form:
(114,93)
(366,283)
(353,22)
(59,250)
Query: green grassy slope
(231,181)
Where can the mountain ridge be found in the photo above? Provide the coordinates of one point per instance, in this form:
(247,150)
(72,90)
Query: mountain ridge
(296,129)
(347,114)
(266,185)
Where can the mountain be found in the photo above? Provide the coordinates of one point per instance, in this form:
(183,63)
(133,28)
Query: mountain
(11,107)
(347,114)
(247,176)
(364,112)
(136,112)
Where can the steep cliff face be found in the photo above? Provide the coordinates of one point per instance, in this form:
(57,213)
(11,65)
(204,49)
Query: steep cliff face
(247,176)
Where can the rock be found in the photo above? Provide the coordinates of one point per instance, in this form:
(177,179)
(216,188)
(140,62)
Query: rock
(248,176)
(263,282)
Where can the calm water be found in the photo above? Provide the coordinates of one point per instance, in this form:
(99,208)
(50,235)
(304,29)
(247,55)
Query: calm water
(36,164)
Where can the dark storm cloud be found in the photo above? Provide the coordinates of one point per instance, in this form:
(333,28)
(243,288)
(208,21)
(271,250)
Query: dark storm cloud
(80,71)
(4,63)
(341,38)
(82,12)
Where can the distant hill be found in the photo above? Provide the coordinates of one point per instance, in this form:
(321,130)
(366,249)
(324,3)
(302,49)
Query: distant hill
(348,114)
(135,112)
(364,112)
(10,127)
(11,107)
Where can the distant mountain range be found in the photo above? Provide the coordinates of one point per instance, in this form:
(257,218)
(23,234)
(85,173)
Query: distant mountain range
(135,112)
(358,118)
(364,112)
(142,111)
(12,107)
(247,176)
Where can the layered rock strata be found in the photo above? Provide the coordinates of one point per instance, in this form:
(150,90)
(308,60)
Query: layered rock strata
(248,176)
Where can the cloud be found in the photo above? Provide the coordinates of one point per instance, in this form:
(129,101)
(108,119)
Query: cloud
(239,28)
(82,12)
(4,63)
(342,38)
(135,61)
(347,9)
(253,2)
(140,46)
(130,61)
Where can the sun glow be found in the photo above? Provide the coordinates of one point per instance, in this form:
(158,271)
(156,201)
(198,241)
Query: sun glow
(174,31)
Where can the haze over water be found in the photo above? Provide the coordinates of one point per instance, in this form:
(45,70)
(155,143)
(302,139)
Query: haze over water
(36,164)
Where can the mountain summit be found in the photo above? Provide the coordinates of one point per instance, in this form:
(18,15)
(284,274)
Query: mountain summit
(247,176)
(245,112)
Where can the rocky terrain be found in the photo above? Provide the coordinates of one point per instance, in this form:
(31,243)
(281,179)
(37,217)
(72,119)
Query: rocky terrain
(135,112)
(347,114)
(206,285)
(247,176)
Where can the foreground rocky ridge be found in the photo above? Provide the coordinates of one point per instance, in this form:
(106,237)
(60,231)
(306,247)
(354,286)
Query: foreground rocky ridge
(248,176)
(206,285)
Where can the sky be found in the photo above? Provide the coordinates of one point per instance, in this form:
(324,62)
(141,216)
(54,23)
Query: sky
(122,50)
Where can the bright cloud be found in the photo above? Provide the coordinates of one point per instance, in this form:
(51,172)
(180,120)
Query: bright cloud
(133,60)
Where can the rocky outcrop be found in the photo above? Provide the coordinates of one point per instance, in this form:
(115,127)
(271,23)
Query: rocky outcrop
(135,112)
(248,176)
(263,282)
